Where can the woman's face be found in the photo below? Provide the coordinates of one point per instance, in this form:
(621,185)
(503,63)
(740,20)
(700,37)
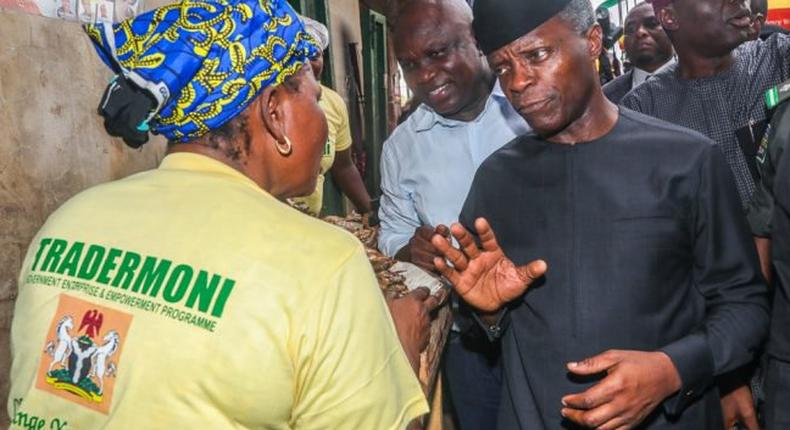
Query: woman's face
(317,63)
(305,126)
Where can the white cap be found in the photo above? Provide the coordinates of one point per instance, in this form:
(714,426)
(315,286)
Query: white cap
(318,31)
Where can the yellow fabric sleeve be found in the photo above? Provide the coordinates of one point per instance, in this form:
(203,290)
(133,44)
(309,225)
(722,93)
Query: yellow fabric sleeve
(337,115)
(349,364)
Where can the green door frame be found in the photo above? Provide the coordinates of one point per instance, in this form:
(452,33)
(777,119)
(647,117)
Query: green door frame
(319,11)
(374,60)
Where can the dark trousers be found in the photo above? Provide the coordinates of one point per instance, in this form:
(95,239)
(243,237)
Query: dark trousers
(777,395)
(473,371)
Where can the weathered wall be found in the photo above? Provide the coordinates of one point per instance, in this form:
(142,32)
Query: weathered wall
(52,143)
(344,29)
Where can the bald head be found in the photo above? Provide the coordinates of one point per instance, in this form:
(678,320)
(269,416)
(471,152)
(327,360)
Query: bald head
(422,16)
(437,51)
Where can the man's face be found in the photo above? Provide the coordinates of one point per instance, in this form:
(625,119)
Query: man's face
(713,27)
(646,43)
(440,61)
(548,75)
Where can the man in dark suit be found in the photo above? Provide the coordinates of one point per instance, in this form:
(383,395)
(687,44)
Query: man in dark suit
(646,45)
(774,165)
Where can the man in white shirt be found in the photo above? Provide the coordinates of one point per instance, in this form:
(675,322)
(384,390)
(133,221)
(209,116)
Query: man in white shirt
(648,48)
(428,164)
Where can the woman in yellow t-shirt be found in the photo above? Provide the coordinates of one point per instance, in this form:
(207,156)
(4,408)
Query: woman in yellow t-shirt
(336,158)
(190,296)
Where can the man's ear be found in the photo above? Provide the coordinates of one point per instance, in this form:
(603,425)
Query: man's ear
(758,21)
(668,18)
(595,41)
(271,111)
(760,18)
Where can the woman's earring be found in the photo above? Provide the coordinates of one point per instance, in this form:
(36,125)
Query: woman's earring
(284,149)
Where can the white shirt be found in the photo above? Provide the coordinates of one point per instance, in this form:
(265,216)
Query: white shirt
(429,162)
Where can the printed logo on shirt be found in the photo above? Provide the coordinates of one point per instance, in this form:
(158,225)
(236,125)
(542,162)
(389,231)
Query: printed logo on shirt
(191,295)
(82,351)
(330,143)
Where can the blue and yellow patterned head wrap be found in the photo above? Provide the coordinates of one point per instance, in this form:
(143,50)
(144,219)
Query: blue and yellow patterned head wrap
(204,61)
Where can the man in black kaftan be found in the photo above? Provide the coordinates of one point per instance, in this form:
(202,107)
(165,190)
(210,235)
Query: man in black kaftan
(646,250)
(648,284)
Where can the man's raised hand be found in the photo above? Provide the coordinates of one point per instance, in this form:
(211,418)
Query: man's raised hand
(483,276)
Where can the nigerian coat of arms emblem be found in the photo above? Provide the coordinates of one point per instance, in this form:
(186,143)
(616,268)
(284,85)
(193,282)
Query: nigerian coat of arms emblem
(80,362)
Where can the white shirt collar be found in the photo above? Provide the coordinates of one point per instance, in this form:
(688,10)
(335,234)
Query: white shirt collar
(428,118)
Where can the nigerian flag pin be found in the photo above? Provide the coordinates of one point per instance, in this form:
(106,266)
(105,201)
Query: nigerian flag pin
(777,95)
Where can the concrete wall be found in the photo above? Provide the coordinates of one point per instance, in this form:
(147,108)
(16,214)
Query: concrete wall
(344,28)
(52,143)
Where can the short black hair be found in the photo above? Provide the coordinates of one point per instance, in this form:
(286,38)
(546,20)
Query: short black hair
(225,137)
(579,14)
(639,5)
(231,133)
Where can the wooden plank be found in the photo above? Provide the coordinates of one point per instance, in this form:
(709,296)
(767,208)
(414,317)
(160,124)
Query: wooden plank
(430,366)
(435,419)
(430,359)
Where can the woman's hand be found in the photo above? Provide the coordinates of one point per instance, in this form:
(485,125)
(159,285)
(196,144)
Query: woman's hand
(412,316)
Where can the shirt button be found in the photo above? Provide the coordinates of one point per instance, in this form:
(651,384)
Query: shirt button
(689,393)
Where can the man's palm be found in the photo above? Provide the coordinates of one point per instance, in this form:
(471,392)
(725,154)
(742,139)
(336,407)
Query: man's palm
(485,278)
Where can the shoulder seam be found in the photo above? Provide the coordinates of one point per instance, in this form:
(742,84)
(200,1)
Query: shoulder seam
(662,124)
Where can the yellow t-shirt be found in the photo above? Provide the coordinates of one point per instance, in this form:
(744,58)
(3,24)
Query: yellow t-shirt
(338,139)
(188,298)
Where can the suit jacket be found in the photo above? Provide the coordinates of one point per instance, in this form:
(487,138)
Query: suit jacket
(616,89)
(775,171)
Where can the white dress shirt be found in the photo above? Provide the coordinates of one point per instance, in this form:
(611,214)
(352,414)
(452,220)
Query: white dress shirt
(428,163)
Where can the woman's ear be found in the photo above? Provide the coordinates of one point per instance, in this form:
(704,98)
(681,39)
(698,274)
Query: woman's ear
(272,112)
